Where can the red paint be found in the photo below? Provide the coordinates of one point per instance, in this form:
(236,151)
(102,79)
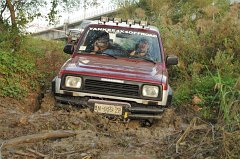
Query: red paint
(121,68)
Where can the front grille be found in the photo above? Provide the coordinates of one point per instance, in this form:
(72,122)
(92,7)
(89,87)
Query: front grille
(111,88)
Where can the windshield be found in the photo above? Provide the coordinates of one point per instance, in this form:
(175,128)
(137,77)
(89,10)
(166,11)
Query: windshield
(120,42)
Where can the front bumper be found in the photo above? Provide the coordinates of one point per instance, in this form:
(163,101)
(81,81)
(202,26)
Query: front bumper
(130,110)
(56,88)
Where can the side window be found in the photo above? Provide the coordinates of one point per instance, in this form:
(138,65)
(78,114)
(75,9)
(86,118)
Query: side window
(89,40)
(156,52)
(84,42)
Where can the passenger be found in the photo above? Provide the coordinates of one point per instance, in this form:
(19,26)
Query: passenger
(141,48)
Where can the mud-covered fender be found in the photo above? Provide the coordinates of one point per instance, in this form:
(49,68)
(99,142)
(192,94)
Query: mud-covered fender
(169,98)
(54,85)
(56,82)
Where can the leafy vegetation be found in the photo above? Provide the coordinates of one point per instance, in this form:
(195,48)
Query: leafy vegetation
(23,12)
(28,69)
(204,35)
(15,15)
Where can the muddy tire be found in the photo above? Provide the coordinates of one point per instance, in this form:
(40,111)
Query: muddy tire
(169,98)
(59,105)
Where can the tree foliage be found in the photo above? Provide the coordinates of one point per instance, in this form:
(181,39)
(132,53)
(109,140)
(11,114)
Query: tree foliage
(15,14)
(18,13)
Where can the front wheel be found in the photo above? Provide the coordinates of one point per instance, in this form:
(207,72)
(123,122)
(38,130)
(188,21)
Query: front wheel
(169,101)
(169,98)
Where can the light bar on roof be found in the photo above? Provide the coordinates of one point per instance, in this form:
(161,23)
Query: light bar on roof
(104,19)
(130,22)
(143,23)
(117,20)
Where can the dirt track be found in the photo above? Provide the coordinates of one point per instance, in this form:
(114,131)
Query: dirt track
(95,136)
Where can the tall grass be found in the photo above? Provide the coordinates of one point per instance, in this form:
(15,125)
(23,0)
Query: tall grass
(229,101)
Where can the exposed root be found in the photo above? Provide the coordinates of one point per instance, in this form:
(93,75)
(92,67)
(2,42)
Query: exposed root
(38,137)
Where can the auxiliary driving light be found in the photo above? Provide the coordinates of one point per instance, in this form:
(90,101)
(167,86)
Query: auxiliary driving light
(143,23)
(104,19)
(117,20)
(130,22)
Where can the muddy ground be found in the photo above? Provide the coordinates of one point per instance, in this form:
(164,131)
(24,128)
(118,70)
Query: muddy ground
(74,133)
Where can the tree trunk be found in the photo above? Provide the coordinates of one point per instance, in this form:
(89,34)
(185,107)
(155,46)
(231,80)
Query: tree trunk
(2,11)
(15,31)
(12,13)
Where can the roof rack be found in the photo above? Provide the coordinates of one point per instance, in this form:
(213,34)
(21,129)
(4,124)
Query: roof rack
(129,22)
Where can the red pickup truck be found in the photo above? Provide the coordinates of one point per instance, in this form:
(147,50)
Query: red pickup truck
(118,68)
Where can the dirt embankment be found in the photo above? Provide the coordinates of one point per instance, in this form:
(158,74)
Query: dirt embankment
(78,133)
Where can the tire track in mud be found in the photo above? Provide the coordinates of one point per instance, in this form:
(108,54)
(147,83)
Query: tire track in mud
(113,138)
(98,137)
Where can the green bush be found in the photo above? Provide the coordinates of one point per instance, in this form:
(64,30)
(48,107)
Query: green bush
(14,68)
(182,94)
(29,68)
(13,88)
(203,86)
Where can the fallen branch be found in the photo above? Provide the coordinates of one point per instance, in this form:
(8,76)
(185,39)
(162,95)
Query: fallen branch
(212,127)
(192,126)
(25,154)
(36,153)
(186,132)
(38,137)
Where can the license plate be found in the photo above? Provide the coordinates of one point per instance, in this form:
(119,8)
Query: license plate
(108,109)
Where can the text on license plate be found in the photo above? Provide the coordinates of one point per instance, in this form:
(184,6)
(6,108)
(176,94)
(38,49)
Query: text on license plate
(108,109)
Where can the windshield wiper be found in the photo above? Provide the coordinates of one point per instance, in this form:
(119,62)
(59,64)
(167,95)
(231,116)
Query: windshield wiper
(147,59)
(143,58)
(101,52)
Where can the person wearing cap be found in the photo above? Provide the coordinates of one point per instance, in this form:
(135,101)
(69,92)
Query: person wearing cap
(141,48)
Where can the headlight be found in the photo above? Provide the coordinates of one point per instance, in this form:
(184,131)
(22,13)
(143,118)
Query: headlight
(73,82)
(150,91)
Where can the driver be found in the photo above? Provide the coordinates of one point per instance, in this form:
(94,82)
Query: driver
(101,43)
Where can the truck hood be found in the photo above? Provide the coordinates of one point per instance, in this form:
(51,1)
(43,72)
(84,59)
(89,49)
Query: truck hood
(120,68)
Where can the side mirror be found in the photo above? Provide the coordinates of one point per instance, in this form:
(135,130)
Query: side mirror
(68,49)
(171,60)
